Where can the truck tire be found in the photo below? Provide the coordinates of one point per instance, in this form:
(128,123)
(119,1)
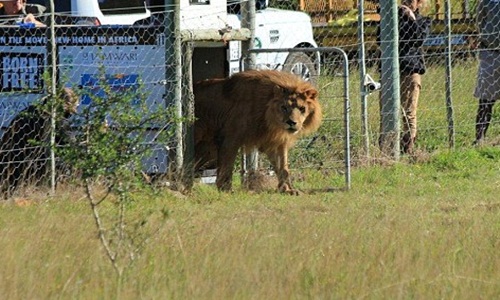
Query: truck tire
(302,65)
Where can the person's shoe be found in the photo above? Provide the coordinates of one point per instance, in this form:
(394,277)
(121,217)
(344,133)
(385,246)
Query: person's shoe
(477,142)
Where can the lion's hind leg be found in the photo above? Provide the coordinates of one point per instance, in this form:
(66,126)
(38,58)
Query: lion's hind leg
(205,156)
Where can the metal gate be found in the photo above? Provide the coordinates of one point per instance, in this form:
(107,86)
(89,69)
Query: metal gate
(319,151)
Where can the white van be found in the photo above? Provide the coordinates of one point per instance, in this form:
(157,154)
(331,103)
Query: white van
(275,28)
(97,12)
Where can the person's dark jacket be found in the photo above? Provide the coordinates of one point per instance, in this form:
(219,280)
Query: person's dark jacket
(412,34)
(488,23)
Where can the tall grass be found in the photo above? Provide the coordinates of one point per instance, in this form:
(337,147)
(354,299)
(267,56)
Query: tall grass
(423,230)
(426,231)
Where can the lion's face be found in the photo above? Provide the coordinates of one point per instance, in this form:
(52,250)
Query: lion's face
(292,108)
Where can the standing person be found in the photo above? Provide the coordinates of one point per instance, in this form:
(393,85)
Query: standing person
(15,11)
(488,82)
(413,30)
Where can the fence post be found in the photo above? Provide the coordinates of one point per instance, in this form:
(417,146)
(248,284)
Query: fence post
(389,100)
(248,21)
(173,74)
(189,157)
(248,8)
(448,83)
(53,93)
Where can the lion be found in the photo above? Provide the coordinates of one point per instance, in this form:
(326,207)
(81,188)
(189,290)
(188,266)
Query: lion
(266,110)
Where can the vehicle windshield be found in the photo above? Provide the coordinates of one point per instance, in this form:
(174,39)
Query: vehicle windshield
(118,7)
(108,7)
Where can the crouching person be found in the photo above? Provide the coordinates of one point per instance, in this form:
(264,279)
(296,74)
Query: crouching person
(24,151)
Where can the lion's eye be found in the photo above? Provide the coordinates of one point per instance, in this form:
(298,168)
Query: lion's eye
(302,109)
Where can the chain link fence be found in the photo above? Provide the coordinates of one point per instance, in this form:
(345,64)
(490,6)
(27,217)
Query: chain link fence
(160,57)
(129,70)
(446,108)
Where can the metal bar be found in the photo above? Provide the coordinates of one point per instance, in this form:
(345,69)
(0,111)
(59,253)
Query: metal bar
(362,74)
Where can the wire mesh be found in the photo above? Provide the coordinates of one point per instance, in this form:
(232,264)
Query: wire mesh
(143,55)
(447,104)
(93,62)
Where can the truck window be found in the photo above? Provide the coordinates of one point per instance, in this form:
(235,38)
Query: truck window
(197,2)
(61,6)
(118,7)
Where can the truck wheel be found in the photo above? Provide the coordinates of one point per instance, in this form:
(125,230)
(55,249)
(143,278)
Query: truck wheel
(301,64)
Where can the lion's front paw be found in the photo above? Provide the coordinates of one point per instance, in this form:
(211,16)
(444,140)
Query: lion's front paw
(294,192)
(287,189)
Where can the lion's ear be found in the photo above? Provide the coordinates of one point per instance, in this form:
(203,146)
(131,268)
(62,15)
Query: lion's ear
(311,93)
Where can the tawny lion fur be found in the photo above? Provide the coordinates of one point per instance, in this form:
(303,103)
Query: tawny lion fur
(265,110)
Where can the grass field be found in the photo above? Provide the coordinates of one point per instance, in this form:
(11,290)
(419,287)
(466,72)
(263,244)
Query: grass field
(404,231)
(414,229)
(424,229)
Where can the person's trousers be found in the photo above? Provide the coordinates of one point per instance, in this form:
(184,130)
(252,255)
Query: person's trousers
(410,86)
